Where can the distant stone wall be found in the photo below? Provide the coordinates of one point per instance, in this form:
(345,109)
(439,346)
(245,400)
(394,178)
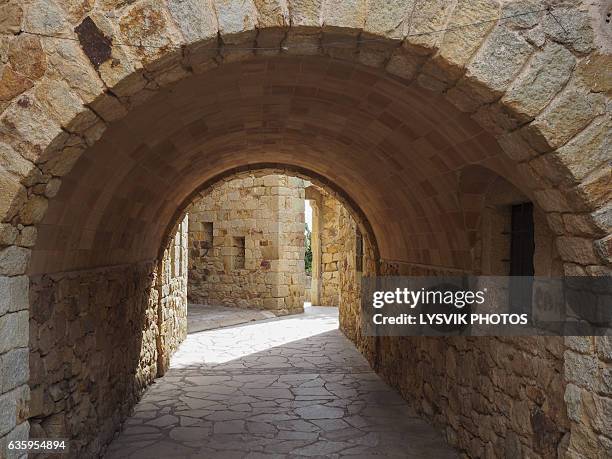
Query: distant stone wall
(332,245)
(98,338)
(246,244)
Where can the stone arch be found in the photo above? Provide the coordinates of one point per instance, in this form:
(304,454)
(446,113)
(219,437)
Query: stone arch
(480,75)
(461,67)
(272,168)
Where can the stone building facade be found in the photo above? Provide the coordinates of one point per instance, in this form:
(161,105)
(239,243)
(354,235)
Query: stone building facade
(105,136)
(246,244)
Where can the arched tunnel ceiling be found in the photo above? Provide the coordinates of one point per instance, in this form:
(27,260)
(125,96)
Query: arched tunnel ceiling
(395,149)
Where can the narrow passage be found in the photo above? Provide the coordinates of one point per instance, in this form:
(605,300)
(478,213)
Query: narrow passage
(282,387)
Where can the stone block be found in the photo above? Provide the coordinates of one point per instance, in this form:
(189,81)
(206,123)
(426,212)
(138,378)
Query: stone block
(535,87)
(13,294)
(576,249)
(570,112)
(13,331)
(15,369)
(497,63)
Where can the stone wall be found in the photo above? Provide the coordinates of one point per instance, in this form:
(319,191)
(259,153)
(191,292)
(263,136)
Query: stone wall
(14,391)
(332,244)
(98,338)
(494,397)
(246,244)
(171,286)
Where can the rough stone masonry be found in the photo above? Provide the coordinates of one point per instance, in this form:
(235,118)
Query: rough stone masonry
(391,104)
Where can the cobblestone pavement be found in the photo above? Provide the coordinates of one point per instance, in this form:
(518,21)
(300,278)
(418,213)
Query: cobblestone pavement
(202,317)
(284,387)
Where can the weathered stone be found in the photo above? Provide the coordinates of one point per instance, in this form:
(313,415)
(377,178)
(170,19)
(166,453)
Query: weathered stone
(545,75)
(45,17)
(27,57)
(272,13)
(68,60)
(588,150)
(596,72)
(57,98)
(579,250)
(27,237)
(63,161)
(497,63)
(12,162)
(14,294)
(35,127)
(235,17)
(349,14)
(603,248)
(15,362)
(458,46)
(8,234)
(11,85)
(96,46)
(425,20)
(147,24)
(196,18)
(34,210)
(581,369)
(13,194)
(11,14)
(13,331)
(13,260)
(571,26)
(568,114)
(604,348)
(573,400)
(388,18)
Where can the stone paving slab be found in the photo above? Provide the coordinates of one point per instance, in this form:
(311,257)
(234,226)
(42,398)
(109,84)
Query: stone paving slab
(283,387)
(201,317)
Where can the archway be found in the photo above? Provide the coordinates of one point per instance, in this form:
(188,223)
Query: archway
(372,107)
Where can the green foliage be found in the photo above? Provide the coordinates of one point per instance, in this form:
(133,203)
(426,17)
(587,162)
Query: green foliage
(308,251)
